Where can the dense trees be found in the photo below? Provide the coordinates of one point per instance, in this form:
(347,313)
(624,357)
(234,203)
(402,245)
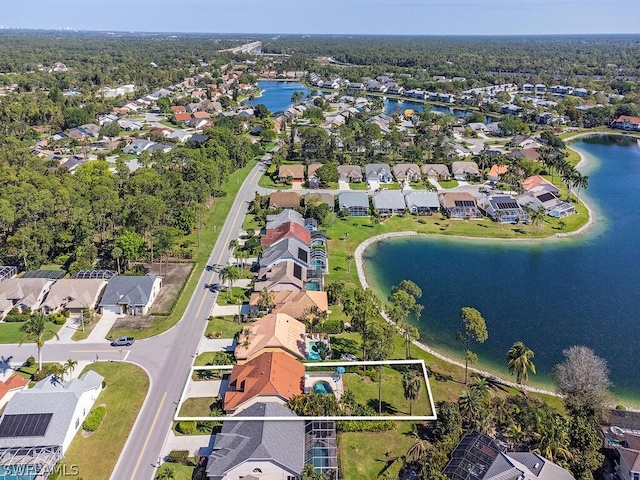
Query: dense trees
(475,329)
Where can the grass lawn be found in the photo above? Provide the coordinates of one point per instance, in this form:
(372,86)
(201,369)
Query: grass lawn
(88,328)
(267,182)
(225,326)
(362,455)
(10,332)
(418,186)
(197,407)
(250,223)
(237,293)
(213,224)
(393,401)
(127,387)
(358,186)
(179,472)
(448,183)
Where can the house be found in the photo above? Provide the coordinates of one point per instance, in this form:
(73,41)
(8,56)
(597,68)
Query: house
(389,202)
(287,215)
(130,295)
(270,376)
(275,332)
(312,168)
(357,203)
(326,198)
(286,230)
(38,424)
(407,172)
(259,450)
(180,135)
(462,170)
(459,205)
(497,171)
(286,249)
(420,201)
(503,209)
(553,206)
(180,117)
(350,173)
(527,87)
(523,141)
(288,276)
(73,295)
(294,173)
(198,139)
(138,146)
(625,122)
(10,387)
(378,172)
(297,304)
(284,200)
(479,457)
(129,125)
(536,183)
(528,153)
(626,447)
(176,109)
(23,294)
(7,271)
(436,171)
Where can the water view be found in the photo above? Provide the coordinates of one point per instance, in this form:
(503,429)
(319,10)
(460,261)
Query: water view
(276,95)
(548,294)
(392,105)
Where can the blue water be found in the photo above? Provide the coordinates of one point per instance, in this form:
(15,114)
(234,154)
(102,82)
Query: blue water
(276,96)
(392,106)
(322,387)
(550,295)
(313,354)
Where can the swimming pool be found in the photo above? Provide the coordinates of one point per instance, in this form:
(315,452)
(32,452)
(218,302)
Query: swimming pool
(312,351)
(322,387)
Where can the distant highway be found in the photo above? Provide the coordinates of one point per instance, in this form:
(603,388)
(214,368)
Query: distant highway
(246,48)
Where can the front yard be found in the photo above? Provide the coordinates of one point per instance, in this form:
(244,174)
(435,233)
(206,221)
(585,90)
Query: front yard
(10,332)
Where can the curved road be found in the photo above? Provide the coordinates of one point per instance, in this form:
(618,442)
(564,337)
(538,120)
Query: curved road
(167,358)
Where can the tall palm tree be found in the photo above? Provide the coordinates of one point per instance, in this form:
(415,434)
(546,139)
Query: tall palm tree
(349,260)
(267,299)
(230,273)
(313,316)
(411,383)
(69,366)
(34,330)
(419,448)
(582,181)
(553,440)
(519,362)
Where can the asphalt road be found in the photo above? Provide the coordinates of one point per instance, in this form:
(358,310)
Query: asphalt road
(167,358)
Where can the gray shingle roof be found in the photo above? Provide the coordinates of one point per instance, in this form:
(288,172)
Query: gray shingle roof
(392,199)
(287,248)
(130,290)
(274,221)
(49,396)
(353,199)
(420,198)
(279,442)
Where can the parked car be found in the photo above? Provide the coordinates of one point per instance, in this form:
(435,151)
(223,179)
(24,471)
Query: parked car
(122,342)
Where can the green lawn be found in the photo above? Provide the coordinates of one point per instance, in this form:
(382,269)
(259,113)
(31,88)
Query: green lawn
(180,472)
(418,186)
(267,182)
(358,186)
(225,326)
(238,295)
(10,332)
(393,401)
(197,407)
(448,183)
(250,223)
(213,224)
(126,389)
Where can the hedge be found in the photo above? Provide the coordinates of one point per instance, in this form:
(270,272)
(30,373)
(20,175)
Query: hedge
(178,456)
(16,318)
(94,419)
(186,427)
(365,425)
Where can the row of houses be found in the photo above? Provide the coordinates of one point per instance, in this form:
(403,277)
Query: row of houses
(132,295)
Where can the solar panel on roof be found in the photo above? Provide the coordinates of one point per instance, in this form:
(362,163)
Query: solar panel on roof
(464,203)
(302,255)
(25,425)
(545,197)
(506,205)
(297,271)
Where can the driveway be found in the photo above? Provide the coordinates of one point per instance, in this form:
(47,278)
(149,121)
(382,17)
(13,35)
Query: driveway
(343,185)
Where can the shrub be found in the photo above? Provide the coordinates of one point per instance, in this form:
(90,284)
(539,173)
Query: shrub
(333,327)
(94,419)
(186,427)
(45,372)
(180,456)
(16,318)
(365,425)
(30,362)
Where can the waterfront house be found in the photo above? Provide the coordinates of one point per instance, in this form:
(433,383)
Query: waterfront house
(297,304)
(286,249)
(269,376)
(553,206)
(462,170)
(436,171)
(275,332)
(284,200)
(326,198)
(357,203)
(421,201)
(378,172)
(503,209)
(407,172)
(259,450)
(350,173)
(286,230)
(288,276)
(130,295)
(528,153)
(23,294)
(287,215)
(294,173)
(536,183)
(479,457)
(626,122)
(73,295)
(459,205)
(389,202)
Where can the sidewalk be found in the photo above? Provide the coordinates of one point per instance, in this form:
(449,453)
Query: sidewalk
(71,326)
(200,445)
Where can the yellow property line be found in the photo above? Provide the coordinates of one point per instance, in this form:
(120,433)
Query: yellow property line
(144,446)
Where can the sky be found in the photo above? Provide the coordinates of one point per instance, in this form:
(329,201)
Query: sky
(382,17)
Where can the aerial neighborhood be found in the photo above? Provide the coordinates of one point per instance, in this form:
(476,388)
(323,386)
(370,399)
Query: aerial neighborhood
(190,261)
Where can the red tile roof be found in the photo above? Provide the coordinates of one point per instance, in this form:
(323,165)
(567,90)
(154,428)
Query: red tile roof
(271,373)
(14,382)
(178,109)
(182,117)
(286,230)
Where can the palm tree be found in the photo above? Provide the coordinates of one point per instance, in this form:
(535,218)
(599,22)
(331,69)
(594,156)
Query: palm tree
(267,299)
(553,440)
(117,254)
(519,362)
(411,385)
(312,316)
(537,216)
(349,259)
(230,273)
(34,330)
(419,447)
(68,367)
(582,181)
(169,473)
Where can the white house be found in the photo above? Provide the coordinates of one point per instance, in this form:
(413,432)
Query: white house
(131,295)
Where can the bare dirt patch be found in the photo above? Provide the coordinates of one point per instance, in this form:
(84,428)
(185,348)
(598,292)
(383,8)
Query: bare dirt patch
(173,277)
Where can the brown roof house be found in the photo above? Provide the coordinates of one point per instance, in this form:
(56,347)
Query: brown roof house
(288,276)
(323,197)
(276,332)
(22,293)
(407,172)
(462,170)
(293,172)
(73,295)
(436,171)
(284,200)
(350,173)
(536,183)
(298,303)
(269,377)
(459,205)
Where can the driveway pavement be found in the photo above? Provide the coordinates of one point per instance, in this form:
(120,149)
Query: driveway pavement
(103,327)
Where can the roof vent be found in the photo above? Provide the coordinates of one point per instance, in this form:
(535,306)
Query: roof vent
(537,465)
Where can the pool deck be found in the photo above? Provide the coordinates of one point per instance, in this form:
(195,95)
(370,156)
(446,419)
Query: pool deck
(310,378)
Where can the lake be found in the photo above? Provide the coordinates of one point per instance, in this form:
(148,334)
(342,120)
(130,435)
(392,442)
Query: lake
(552,294)
(276,95)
